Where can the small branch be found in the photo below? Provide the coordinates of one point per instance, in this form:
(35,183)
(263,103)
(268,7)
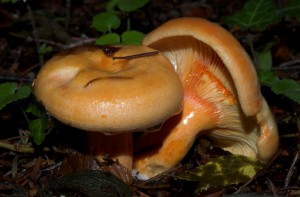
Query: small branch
(35,34)
(78,42)
(289,68)
(20,148)
(291,170)
(16,78)
(288,65)
(14,166)
(273,188)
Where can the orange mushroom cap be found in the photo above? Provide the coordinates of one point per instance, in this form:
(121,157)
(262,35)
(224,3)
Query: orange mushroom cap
(88,89)
(111,90)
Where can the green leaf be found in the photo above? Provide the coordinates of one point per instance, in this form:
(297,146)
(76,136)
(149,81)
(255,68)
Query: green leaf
(110,6)
(10,92)
(266,77)
(132,37)
(265,59)
(92,183)
(44,49)
(283,85)
(108,39)
(106,21)
(256,14)
(292,9)
(37,129)
(287,87)
(293,94)
(131,5)
(36,109)
(223,171)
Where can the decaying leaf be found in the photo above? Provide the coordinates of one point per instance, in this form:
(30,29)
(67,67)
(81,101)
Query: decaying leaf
(223,171)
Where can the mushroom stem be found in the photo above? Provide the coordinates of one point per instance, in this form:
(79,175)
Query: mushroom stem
(176,138)
(117,147)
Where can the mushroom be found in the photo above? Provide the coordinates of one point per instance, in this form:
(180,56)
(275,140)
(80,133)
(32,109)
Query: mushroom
(222,98)
(110,92)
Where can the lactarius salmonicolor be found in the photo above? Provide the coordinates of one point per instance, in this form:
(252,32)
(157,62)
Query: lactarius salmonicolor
(222,97)
(110,92)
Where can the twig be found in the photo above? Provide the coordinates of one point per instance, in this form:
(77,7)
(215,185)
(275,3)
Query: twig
(288,68)
(289,63)
(77,41)
(290,191)
(14,167)
(291,170)
(288,188)
(35,34)
(57,165)
(16,78)
(273,188)
(81,41)
(20,148)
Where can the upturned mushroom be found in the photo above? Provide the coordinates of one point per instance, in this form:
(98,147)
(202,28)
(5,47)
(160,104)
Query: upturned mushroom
(110,92)
(222,97)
